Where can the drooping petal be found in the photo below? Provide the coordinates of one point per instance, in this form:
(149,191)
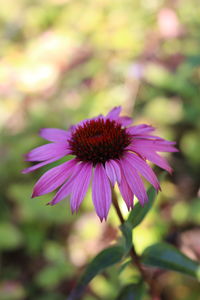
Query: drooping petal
(66,189)
(143,168)
(157,160)
(125,191)
(140,129)
(80,186)
(113,171)
(53,178)
(37,166)
(101,192)
(48,151)
(114,113)
(156,145)
(134,181)
(54,134)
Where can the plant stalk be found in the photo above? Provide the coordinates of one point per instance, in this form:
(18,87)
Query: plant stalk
(135,257)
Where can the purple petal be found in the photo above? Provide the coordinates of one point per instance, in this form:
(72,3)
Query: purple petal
(101,192)
(37,166)
(124,121)
(140,129)
(156,145)
(134,181)
(53,178)
(113,171)
(80,186)
(125,191)
(48,151)
(148,137)
(114,113)
(142,167)
(66,189)
(157,160)
(54,134)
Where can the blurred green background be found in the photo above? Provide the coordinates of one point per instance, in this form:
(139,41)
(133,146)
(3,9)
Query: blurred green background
(65,60)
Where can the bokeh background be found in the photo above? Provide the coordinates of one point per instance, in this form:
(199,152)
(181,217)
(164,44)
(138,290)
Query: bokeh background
(65,60)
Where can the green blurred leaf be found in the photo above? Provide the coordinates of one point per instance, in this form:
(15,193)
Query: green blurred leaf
(12,290)
(34,236)
(165,256)
(54,252)
(50,296)
(103,260)
(193,60)
(10,236)
(132,292)
(51,276)
(164,79)
(194,209)
(35,210)
(190,144)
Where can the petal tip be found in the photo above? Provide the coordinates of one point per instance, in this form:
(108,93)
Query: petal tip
(26,157)
(130,207)
(40,132)
(51,203)
(34,194)
(24,171)
(74,210)
(158,188)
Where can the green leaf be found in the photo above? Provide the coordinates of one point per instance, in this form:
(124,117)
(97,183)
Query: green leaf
(132,292)
(135,218)
(127,237)
(165,256)
(103,260)
(138,213)
(124,265)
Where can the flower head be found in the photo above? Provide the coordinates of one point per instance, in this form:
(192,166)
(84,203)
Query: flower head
(106,150)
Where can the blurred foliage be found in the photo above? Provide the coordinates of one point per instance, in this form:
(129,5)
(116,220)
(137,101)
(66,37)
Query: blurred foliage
(62,61)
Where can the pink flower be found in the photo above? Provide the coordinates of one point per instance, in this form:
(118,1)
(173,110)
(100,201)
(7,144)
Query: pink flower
(106,151)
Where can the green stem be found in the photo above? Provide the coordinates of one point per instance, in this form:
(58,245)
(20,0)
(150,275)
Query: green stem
(135,257)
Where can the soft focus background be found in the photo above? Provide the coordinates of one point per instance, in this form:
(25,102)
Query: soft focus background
(65,60)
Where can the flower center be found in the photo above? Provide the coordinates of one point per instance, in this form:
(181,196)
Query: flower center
(97,141)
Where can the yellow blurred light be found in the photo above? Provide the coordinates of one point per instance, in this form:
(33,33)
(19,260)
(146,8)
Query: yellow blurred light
(34,78)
